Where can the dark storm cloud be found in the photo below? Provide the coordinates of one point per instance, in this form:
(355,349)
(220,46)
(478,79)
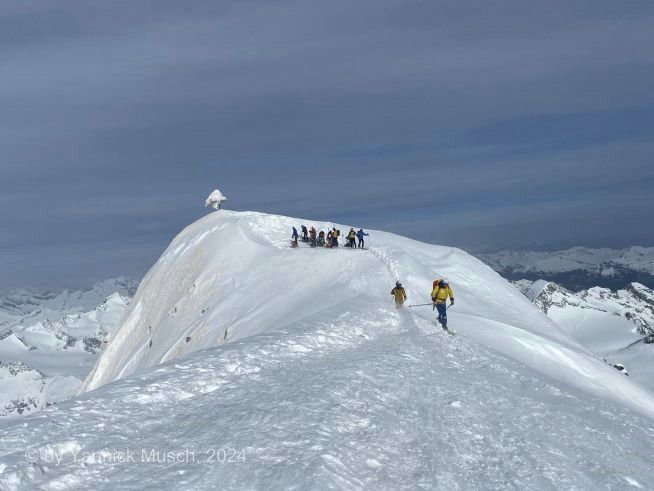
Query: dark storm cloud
(485,124)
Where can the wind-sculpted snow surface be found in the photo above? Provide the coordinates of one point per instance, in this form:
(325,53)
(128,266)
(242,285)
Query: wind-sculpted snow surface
(353,398)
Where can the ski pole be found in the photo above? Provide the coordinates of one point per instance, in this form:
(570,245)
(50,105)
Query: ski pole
(420,304)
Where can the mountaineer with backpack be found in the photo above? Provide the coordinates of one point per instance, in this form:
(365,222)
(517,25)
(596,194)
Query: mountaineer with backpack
(351,239)
(439,294)
(335,235)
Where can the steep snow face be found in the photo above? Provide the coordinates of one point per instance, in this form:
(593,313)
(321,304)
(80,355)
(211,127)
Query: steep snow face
(616,325)
(231,276)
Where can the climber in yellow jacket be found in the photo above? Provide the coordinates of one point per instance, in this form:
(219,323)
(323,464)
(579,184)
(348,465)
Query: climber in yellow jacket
(399,295)
(439,294)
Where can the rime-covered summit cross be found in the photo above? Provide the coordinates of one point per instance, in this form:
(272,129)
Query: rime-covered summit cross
(215,199)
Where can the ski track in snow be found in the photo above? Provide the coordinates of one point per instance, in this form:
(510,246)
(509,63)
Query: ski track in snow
(349,403)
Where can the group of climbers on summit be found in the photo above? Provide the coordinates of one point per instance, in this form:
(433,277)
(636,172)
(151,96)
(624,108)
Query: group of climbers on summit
(329,240)
(352,236)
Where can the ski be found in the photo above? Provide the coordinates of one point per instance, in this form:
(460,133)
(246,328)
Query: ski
(447,330)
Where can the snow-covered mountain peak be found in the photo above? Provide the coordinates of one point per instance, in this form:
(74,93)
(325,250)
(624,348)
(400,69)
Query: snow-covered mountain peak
(232,275)
(533,289)
(641,292)
(616,325)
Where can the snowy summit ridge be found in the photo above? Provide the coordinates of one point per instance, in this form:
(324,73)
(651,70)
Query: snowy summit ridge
(231,275)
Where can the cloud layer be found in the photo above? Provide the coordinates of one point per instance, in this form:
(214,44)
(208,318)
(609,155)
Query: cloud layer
(483,124)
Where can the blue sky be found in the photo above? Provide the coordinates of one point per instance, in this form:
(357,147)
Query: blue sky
(482,124)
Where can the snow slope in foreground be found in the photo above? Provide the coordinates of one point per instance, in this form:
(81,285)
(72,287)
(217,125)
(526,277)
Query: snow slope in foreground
(364,397)
(231,275)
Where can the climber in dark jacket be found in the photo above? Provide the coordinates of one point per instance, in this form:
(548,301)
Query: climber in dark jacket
(361,234)
(351,238)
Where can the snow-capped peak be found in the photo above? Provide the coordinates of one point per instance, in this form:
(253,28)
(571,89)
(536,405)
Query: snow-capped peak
(616,325)
(231,275)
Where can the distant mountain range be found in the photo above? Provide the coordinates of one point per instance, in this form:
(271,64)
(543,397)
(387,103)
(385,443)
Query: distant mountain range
(578,268)
(23,306)
(49,341)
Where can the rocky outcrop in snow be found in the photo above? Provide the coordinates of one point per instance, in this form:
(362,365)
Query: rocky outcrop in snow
(617,325)
(635,303)
(21,388)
